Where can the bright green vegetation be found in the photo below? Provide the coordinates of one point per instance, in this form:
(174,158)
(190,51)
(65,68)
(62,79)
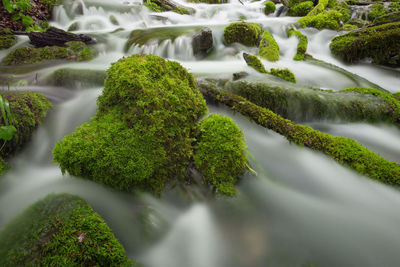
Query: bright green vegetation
(28,110)
(301,9)
(60,230)
(141,136)
(209,1)
(78,51)
(305,104)
(268,48)
(394,6)
(165,5)
(141,37)
(301,46)
(377,10)
(245,33)
(269,7)
(284,74)
(255,63)
(73,78)
(344,150)
(396,95)
(323,20)
(220,153)
(7,39)
(381,43)
(319,8)
(388,18)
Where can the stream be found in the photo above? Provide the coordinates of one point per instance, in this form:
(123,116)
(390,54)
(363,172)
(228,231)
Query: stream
(303,208)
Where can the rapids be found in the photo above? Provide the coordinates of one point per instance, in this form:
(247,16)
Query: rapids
(303,208)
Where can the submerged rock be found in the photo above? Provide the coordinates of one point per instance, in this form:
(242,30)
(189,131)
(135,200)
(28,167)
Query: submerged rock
(78,51)
(73,78)
(246,33)
(58,230)
(202,42)
(381,43)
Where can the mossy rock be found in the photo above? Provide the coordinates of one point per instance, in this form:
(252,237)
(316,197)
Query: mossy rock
(167,5)
(269,48)
(377,10)
(60,230)
(319,8)
(254,62)
(142,37)
(73,78)
(342,149)
(246,33)
(220,153)
(301,46)
(77,51)
(388,18)
(323,20)
(269,7)
(381,43)
(140,138)
(284,74)
(28,109)
(7,39)
(301,9)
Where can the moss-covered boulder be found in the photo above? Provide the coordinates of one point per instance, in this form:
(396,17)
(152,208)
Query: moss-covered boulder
(141,135)
(269,48)
(28,110)
(301,9)
(220,153)
(381,43)
(73,78)
(7,39)
(342,149)
(246,33)
(254,62)
(166,5)
(301,46)
(324,20)
(269,7)
(60,230)
(77,51)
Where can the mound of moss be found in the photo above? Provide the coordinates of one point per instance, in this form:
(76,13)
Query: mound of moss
(269,7)
(344,150)
(28,109)
(141,135)
(284,74)
(60,230)
(301,46)
(269,48)
(388,18)
(166,5)
(319,8)
(254,62)
(377,10)
(381,43)
(220,153)
(245,33)
(78,51)
(301,9)
(7,39)
(73,78)
(322,20)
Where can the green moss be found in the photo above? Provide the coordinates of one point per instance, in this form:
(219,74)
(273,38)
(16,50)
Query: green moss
(319,8)
(153,7)
(269,7)
(394,6)
(268,48)
(377,10)
(396,95)
(255,63)
(209,1)
(7,39)
(344,150)
(381,43)
(323,20)
(301,9)
(349,27)
(245,33)
(301,46)
(388,18)
(165,5)
(30,55)
(220,153)
(74,78)
(284,74)
(141,135)
(28,109)
(60,230)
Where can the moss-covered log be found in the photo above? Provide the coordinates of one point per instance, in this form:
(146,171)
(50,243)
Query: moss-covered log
(344,150)
(304,104)
(60,230)
(381,43)
(78,51)
(28,109)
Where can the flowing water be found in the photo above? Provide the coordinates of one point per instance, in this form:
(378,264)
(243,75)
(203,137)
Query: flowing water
(303,208)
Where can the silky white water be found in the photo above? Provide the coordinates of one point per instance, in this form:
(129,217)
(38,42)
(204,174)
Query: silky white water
(302,208)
